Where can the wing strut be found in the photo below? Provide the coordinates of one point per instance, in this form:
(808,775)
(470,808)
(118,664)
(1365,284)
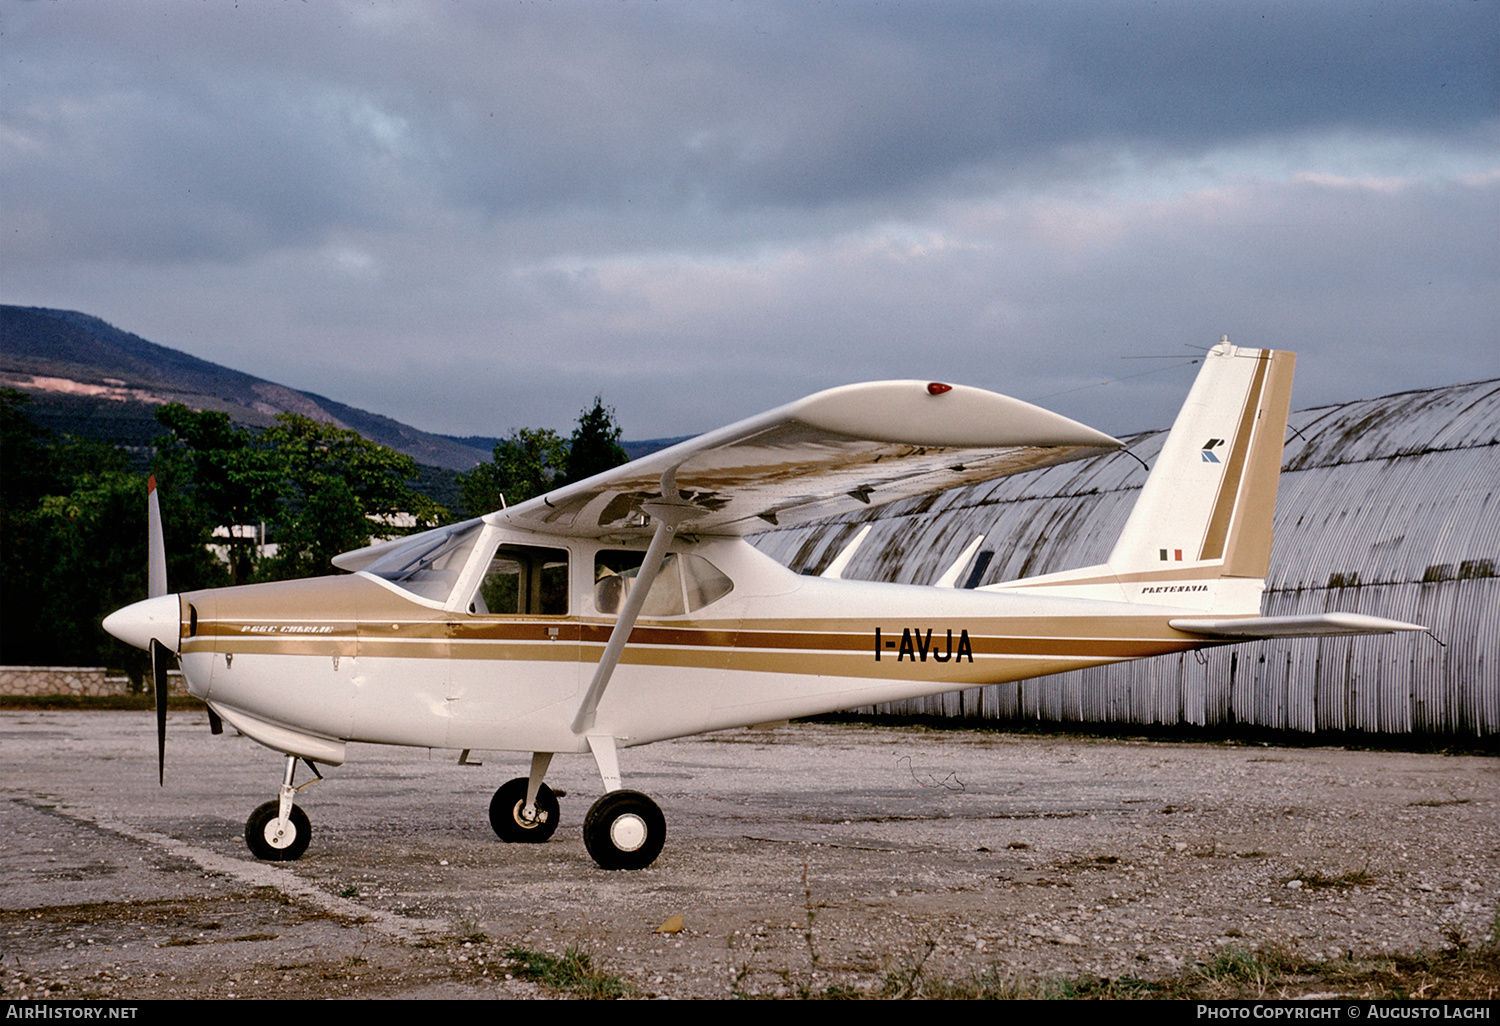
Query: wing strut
(669,516)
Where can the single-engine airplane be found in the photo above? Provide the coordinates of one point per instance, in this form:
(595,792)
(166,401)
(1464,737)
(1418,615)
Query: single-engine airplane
(629,608)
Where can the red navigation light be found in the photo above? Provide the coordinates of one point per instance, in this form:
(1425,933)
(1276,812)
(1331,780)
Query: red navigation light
(938,388)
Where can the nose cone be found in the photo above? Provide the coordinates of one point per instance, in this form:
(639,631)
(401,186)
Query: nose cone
(137,624)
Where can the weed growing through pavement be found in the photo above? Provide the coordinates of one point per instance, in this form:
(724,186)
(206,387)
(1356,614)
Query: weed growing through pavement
(798,985)
(812,950)
(1236,972)
(573,973)
(1357,878)
(466,928)
(1271,971)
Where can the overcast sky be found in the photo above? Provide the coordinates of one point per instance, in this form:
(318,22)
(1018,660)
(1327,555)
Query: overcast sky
(475,216)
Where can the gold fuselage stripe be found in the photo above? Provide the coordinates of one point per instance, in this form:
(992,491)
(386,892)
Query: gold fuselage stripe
(354,617)
(835,648)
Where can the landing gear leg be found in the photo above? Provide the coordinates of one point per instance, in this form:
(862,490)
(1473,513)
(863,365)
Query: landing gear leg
(279,831)
(624,829)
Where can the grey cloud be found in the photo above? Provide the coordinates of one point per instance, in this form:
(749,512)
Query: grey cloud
(282,122)
(472,215)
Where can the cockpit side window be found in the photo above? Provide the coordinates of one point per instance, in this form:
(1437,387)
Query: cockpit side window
(685,583)
(524,580)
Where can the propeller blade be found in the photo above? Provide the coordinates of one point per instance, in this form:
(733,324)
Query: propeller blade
(156,549)
(215,725)
(160,654)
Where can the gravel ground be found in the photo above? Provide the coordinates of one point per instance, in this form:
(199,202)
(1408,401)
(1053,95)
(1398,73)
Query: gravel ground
(801,858)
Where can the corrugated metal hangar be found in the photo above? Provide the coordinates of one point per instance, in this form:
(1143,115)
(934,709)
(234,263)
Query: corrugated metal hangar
(1387,506)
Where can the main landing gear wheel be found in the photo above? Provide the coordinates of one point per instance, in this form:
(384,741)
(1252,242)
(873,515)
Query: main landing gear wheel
(624,830)
(275,840)
(508,813)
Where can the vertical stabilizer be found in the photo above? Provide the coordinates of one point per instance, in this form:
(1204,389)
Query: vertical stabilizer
(1211,499)
(1200,534)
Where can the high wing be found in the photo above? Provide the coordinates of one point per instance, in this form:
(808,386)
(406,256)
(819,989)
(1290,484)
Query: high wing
(842,449)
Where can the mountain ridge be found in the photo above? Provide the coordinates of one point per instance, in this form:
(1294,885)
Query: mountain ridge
(82,371)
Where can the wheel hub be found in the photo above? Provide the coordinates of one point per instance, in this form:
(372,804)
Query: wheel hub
(628,832)
(280,833)
(532,817)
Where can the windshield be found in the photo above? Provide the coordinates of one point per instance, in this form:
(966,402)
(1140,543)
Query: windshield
(429,566)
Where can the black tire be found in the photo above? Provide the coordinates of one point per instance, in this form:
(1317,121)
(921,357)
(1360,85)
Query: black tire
(624,830)
(267,844)
(505,813)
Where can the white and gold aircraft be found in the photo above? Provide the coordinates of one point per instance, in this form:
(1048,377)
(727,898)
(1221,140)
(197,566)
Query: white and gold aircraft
(629,608)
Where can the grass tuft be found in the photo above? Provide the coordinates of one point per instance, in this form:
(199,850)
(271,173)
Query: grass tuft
(1236,972)
(994,985)
(468,930)
(1357,878)
(572,973)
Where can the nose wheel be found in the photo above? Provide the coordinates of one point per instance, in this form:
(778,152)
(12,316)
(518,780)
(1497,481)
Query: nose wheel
(279,831)
(624,830)
(275,839)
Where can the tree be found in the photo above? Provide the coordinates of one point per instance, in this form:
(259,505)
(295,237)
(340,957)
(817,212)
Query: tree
(73,518)
(90,555)
(337,491)
(29,475)
(596,443)
(26,456)
(213,475)
(73,548)
(536,460)
(531,461)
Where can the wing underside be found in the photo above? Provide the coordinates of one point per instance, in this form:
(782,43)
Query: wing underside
(845,449)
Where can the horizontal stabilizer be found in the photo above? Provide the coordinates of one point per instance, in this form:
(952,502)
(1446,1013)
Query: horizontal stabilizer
(1316,626)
